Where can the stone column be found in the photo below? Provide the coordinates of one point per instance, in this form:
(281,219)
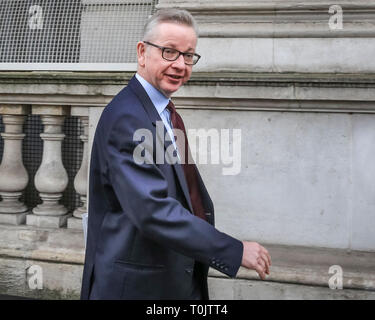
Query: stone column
(13,175)
(81,179)
(51,179)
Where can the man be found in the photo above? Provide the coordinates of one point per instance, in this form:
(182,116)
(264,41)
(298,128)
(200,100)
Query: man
(150,226)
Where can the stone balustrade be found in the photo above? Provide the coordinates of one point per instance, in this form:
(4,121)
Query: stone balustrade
(303,137)
(51,178)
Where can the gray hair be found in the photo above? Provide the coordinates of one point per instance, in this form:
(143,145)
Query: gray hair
(177,16)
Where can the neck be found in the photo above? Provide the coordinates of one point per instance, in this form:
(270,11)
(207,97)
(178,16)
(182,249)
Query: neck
(144,76)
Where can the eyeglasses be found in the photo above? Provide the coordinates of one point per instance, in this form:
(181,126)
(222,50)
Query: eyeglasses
(171,54)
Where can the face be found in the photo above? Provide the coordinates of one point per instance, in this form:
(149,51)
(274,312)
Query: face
(166,76)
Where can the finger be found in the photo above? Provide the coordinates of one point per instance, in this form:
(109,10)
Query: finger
(262,267)
(259,270)
(262,263)
(265,251)
(269,257)
(266,263)
(266,266)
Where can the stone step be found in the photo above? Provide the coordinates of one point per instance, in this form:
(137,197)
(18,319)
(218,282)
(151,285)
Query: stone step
(295,272)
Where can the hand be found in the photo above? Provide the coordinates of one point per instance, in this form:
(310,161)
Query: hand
(257,258)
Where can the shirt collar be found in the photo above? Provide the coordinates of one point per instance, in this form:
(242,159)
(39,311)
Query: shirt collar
(159,100)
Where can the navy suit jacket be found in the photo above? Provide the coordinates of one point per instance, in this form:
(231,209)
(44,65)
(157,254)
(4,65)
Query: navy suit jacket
(143,242)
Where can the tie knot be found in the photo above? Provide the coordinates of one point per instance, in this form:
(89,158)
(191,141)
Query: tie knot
(171,107)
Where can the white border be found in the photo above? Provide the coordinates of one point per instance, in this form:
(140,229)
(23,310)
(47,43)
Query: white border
(68,67)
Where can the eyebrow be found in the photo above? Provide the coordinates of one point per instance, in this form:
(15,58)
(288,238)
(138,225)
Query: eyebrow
(174,47)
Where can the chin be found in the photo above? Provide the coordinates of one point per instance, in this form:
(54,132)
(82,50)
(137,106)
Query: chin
(170,90)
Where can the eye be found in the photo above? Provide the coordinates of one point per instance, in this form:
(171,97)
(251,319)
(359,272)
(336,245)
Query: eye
(169,51)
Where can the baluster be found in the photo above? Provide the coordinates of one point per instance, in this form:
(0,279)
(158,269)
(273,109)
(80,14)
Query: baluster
(80,181)
(51,179)
(13,175)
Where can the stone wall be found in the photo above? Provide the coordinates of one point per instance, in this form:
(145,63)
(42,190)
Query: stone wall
(301,91)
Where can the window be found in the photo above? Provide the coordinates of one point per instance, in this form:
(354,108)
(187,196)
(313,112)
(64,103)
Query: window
(71,31)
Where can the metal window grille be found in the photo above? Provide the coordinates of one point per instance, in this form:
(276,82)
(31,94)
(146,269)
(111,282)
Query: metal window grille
(72,31)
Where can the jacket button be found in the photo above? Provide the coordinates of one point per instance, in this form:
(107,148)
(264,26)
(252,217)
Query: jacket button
(188,271)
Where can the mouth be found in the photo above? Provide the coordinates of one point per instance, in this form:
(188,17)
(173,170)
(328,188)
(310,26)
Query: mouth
(174,77)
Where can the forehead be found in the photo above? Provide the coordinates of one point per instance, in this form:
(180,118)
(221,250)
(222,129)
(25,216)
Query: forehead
(167,32)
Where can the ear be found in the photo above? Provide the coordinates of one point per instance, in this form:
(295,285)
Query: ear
(141,52)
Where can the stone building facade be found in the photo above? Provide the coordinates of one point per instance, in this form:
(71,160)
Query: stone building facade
(296,79)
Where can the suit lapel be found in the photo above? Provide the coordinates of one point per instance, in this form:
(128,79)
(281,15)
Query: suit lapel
(159,136)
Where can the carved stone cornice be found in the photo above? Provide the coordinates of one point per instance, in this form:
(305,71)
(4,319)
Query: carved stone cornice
(322,92)
(92,79)
(277,18)
(282,79)
(240,5)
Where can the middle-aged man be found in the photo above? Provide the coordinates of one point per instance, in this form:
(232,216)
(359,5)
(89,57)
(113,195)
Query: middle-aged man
(150,226)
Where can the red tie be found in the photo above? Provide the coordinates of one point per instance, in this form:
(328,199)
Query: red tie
(189,167)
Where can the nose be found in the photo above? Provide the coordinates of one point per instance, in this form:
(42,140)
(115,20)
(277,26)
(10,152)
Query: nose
(179,63)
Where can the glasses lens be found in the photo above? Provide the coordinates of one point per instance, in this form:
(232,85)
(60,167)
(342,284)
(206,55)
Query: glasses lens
(190,58)
(170,54)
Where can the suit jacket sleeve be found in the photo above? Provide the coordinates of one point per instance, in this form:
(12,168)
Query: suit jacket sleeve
(143,194)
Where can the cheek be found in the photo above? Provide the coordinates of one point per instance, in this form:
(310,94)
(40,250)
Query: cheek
(161,70)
